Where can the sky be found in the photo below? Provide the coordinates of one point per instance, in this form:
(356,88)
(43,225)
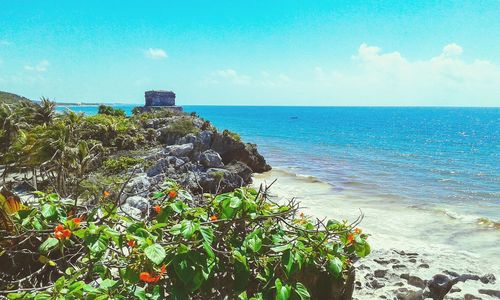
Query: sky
(397,53)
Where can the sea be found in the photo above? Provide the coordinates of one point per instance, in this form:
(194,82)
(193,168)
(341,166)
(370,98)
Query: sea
(419,176)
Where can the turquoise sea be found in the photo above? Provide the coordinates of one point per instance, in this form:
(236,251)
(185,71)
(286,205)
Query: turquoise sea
(441,159)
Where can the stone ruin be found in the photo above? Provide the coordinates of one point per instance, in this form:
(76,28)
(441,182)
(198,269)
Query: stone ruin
(160,100)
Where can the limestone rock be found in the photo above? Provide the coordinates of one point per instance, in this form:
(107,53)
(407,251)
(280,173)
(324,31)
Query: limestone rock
(231,149)
(179,150)
(211,159)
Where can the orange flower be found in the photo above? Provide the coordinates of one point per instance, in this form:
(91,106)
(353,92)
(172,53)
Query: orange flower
(163,269)
(350,238)
(147,277)
(77,221)
(131,243)
(302,215)
(105,194)
(144,276)
(157,208)
(66,233)
(59,227)
(59,235)
(213,218)
(357,231)
(172,194)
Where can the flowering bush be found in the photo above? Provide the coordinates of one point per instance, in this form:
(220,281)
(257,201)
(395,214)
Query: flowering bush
(237,245)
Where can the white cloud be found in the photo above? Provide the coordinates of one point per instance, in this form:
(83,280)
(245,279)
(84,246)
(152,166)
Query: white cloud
(231,76)
(440,80)
(42,66)
(156,53)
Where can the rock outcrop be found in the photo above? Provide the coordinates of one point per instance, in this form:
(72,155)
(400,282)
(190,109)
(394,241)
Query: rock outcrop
(202,160)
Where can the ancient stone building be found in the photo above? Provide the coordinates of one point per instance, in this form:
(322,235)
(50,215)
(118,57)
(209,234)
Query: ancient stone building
(159,98)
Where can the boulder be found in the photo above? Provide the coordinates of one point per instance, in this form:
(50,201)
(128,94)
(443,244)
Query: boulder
(138,185)
(216,180)
(167,164)
(211,159)
(138,202)
(130,211)
(231,149)
(241,169)
(179,150)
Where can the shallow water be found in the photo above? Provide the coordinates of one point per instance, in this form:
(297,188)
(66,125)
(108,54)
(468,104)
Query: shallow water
(426,174)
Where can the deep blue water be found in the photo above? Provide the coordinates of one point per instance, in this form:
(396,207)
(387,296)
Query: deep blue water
(424,156)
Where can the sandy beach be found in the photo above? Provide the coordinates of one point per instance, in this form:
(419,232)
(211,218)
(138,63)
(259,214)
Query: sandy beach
(406,240)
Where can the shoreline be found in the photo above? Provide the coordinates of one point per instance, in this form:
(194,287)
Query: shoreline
(395,230)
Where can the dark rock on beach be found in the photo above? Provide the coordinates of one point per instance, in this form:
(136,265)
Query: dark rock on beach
(390,274)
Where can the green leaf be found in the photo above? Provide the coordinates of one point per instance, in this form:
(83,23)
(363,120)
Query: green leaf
(235,202)
(184,270)
(97,243)
(188,228)
(48,244)
(158,225)
(107,283)
(158,195)
(176,229)
(335,266)
(208,249)
(302,291)
(207,233)
(288,261)
(362,249)
(49,211)
(43,296)
(155,253)
(282,292)
(281,248)
(140,293)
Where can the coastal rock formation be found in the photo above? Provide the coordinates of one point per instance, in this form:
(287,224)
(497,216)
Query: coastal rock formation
(199,158)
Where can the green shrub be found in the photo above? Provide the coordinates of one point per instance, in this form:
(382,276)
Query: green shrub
(120,164)
(232,135)
(110,111)
(233,245)
(182,126)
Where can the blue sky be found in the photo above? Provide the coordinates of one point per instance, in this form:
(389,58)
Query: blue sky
(254,52)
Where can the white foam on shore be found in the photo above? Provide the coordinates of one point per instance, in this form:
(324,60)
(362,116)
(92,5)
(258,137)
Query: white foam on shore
(395,224)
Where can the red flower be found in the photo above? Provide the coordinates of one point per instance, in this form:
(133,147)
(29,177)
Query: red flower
(163,269)
(350,238)
(59,235)
(147,277)
(105,194)
(77,221)
(59,227)
(172,194)
(144,276)
(213,218)
(157,208)
(66,233)
(131,243)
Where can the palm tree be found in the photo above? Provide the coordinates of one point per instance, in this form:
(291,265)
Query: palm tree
(45,111)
